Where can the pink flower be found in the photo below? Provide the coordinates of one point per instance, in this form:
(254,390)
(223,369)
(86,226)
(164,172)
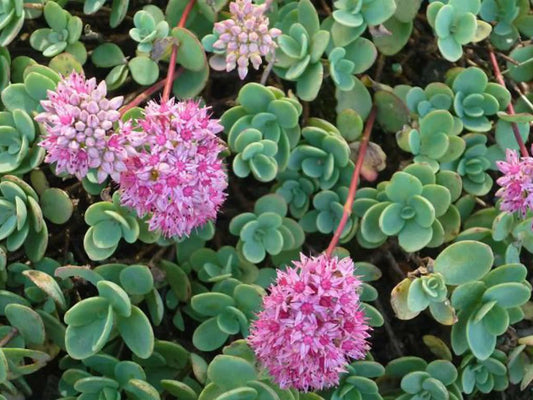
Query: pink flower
(78,120)
(516,189)
(176,177)
(311,324)
(243,38)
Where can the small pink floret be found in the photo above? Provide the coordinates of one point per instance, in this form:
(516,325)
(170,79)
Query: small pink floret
(176,177)
(305,336)
(244,38)
(78,121)
(516,184)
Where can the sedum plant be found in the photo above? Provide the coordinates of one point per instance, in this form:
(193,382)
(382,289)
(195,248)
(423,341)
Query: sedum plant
(145,255)
(266,230)
(63,35)
(455,24)
(300,48)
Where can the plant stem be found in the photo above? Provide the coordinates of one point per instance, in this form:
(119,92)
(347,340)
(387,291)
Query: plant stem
(173,55)
(347,211)
(10,335)
(147,93)
(510,108)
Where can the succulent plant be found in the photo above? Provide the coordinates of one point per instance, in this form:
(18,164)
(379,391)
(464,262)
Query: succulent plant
(11,20)
(435,141)
(119,377)
(227,310)
(266,230)
(299,52)
(26,95)
(418,379)
(486,307)
(484,375)
(409,210)
(264,113)
(212,266)
(63,35)
(435,96)
(94,318)
(5,68)
(322,154)
(108,223)
(476,98)
(18,150)
(351,17)
(357,381)
(354,58)
(328,210)
(455,24)
(472,165)
(296,190)
(150,26)
(503,16)
(21,218)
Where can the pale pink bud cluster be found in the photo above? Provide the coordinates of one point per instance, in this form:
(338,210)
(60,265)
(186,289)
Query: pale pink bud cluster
(244,38)
(516,189)
(176,177)
(78,121)
(311,324)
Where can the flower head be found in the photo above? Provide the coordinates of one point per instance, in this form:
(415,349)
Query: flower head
(516,189)
(243,38)
(311,324)
(78,121)
(176,177)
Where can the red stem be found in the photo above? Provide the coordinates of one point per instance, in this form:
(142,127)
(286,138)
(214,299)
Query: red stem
(510,108)
(147,93)
(353,184)
(173,55)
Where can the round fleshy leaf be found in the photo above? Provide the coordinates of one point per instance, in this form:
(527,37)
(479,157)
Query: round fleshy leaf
(28,323)
(143,70)
(56,205)
(137,333)
(137,279)
(464,262)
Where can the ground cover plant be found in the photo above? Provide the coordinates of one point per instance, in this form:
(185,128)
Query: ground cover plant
(268,199)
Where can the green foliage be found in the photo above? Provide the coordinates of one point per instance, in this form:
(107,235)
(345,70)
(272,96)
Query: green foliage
(328,210)
(455,24)
(11,20)
(266,230)
(300,48)
(19,152)
(262,130)
(108,223)
(5,68)
(150,26)
(484,375)
(486,308)
(473,164)
(351,17)
(476,99)
(435,141)
(63,35)
(26,93)
(436,96)
(357,381)
(411,205)
(322,154)
(418,379)
(226,310)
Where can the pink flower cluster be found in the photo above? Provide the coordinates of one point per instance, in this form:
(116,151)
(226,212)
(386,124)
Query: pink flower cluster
(311,324)
(244,38)
(516,189)
(78,121)
(176,177)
